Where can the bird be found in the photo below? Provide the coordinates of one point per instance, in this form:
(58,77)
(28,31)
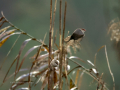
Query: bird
(78,34)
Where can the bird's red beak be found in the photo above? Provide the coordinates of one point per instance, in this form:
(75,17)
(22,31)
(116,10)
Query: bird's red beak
(83,29)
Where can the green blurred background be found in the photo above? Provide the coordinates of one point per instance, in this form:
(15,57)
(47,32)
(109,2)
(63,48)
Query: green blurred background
(33,16)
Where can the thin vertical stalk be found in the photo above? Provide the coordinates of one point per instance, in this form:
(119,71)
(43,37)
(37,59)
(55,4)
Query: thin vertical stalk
(53,22)
(63,53)
(52,34)
(50,82)
(60,48)
(110,68)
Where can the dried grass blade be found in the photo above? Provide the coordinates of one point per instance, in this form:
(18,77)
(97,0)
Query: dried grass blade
(30,50)
(37,79)
(55,37)
(74,57)
(39,50)
(15,85)
(72,70)
(71,84)
(110,68)
(87,72)
(23,88)
(76,78)
(50,82)
(45,81)
(4,29)
(7,33)
(14,73)
(3,41)
(6,38)
(29,79)
(53,22)
(2,23)
(63,51)
(1,18)
(80,81)
(8,71)
(9,51)
(60,45)
(96,54)
(46,47)
(20,51)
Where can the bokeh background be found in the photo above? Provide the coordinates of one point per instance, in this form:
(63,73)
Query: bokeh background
(32,16)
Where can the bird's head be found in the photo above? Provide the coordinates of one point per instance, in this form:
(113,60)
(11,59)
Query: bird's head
(83,30)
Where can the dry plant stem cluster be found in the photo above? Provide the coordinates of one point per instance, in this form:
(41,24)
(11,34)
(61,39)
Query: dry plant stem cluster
(50,74)
(51,67)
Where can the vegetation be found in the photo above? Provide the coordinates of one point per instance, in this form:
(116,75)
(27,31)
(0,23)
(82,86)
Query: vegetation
(50,66)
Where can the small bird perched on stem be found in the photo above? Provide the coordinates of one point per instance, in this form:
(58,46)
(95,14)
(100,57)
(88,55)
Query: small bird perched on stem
(78,34)
(74,39)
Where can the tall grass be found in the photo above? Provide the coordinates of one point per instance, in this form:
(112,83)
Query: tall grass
(50,68)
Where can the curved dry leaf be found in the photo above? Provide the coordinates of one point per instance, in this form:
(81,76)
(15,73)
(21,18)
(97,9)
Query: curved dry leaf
(23,88)
(2,22)
(76,78)
(38,79)
(1,18)
(6,38)
(9,52)
(20,51)
(94,70)
(45,82)
(96,54)
(41,57)
(74,57)
(15,85)
(80,81)
(7,33)
(9,70)
(30,50)
(4,29)
(100,48)
(21,70)
(74,88)
(21,79)
(32,74)
(90,63)
(46,47)
(3,41)
(42,67)
(71,84)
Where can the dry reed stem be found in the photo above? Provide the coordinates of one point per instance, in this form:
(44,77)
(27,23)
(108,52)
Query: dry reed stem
(53,33)
(110,68)
(60,48)
(64,53)
(53,22)
(50,81)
